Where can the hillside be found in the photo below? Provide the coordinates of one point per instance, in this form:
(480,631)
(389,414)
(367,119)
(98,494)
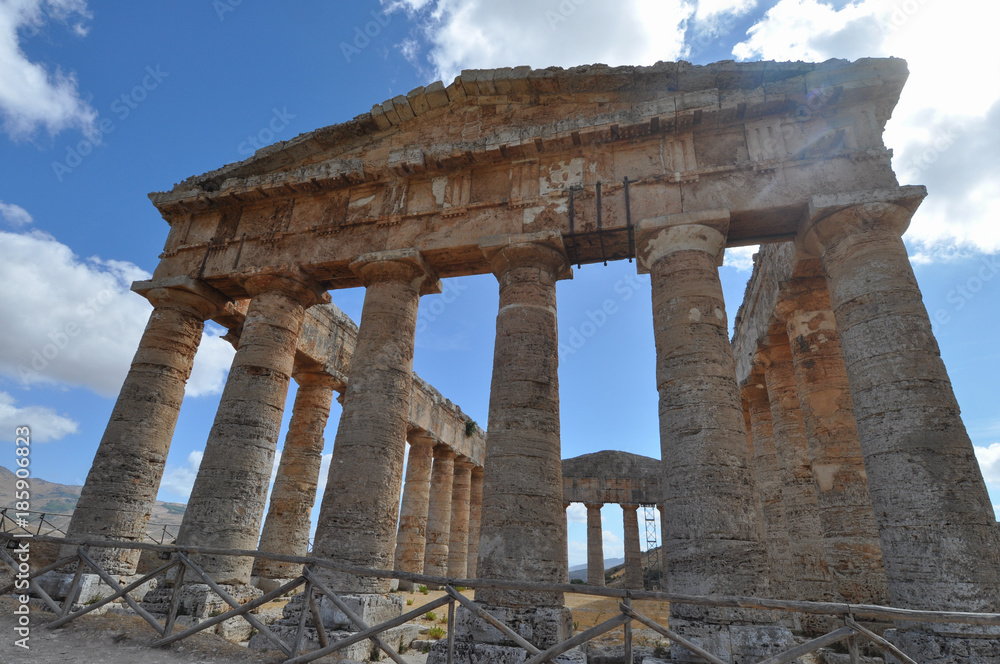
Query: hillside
(57,502)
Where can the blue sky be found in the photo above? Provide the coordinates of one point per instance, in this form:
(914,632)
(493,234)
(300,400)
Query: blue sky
(102,103)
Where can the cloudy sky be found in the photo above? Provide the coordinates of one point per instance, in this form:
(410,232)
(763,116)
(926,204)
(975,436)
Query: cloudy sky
(102,103)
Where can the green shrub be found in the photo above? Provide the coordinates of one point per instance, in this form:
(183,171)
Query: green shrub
(430,615)
(436,632)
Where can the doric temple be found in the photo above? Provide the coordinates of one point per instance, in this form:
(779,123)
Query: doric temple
(820,455)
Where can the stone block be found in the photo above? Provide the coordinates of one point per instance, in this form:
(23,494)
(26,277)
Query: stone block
(198,600)
(92,588)
(739,644)
(931,648)
(484,653)
(371,608)
(541,626)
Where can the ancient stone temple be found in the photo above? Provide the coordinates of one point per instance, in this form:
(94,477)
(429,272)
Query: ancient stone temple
(820,456)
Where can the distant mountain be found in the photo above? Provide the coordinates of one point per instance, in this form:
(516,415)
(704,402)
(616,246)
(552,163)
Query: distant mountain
(580,571)
(57,502)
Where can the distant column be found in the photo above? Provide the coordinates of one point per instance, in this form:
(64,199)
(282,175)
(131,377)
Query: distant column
(120,492)
(360,509)
(439,512)
(633,552)
(475,519)
(458,541)
(595,545)
(850,534)
(411,539)
(227,502)
(289,514)
(809,572)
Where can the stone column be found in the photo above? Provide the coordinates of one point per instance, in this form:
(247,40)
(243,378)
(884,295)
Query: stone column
(808,574)
(227,501)
(120,492)
(524,523)
(769,483)
(633,553)
(595,545)
(940,542)
(411,536)
(439,512)
(458,542)
(360,508)
(286,527)
(713,540)
(850,534)
(475,519)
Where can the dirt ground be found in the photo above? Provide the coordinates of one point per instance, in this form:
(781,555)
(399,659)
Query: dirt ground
(120,639)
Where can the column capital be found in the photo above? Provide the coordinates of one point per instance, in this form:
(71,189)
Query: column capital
(291,280)
(593,506)
(771,349)
(444,452)
(463,463)
(832,217)
(310,378)
(183,293)
(657,237)
(420,438)
(544,250)
(407,265)
(629,507)
(801,294)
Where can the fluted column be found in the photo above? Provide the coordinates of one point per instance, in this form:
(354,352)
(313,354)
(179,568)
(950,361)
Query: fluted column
(458,541)
(769,482)
(523,533)
(439,512)
(475,519)
(227,501)
(809,573)
(633,552)
(360,508)
(713,540)
(286,527)
(595,545)
(411,538)
(940,543)
(120,492)
(850,534)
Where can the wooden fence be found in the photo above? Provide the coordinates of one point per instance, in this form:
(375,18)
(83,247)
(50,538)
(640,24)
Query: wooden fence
(179,556)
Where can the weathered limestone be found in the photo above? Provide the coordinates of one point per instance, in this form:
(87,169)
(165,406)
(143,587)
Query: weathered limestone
(458,539)
(475,519)
(286,527)
(713,539)
(523,532)
(410,538)
(595,545)
(809,571)
(940,543)
(769,483)
(633,554)
(439,513)
(612,477)
(358,515)
(850,534)
(227,501)
(120,491)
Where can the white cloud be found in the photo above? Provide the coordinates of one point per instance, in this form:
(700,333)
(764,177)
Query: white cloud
(989,462)
(32,95)
(741,258)
(75,322)
(614,546)
(180,480)
(576,513)
(45,423)
(482,34)
(945,132)
(15,215)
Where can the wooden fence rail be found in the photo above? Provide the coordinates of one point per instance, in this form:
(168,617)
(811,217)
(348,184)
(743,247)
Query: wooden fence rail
(179,556)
